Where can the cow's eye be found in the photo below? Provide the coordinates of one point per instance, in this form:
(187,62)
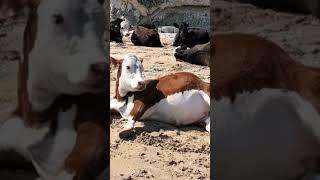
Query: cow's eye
(128,67)
(58,19)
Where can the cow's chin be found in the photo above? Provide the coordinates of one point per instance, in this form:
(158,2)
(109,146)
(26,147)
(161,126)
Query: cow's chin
(141,88)
(97,87)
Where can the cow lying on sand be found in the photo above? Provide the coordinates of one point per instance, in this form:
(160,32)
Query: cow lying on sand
(198,54)
(243,64)
(143,36)
(58,124)
(190,36)
(115,31)
(180,98)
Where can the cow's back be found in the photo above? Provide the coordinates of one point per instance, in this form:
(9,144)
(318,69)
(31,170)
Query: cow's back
(244,62)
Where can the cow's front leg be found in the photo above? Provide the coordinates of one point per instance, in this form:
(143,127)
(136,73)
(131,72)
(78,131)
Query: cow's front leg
(89,156)
(130,124)
(136,112)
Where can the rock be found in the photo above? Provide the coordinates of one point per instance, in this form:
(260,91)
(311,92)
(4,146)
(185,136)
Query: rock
(162,12)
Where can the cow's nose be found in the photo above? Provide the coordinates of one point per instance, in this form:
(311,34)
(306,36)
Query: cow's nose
(99,71)
(99,68)
(141,83)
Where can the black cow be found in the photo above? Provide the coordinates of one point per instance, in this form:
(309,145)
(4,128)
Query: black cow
(190,36)
(142,36)
(198,54)
(115,34)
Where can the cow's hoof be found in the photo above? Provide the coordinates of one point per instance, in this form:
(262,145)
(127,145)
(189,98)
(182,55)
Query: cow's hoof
(127,134)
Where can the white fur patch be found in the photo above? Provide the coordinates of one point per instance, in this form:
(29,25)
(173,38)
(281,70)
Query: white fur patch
(122,107)
(130,124)
(181,108)
(308,114)
(261,134)
(49,156)
(15,135)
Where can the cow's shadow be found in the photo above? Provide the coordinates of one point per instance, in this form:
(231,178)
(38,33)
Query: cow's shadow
(150,126)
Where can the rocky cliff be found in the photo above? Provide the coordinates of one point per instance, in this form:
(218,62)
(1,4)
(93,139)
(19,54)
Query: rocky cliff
(162,12)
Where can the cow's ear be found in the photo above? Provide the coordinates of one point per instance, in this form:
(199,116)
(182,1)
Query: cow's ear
(115,62)
(141,59)
(175,25)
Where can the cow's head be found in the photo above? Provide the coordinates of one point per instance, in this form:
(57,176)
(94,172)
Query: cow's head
(181,34)
(66,55)
(130,76)
(126,27)
(115,30)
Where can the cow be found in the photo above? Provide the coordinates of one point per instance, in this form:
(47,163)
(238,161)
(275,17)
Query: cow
(242,64)
(58,124)
(294,6)
(198,54)
(180,98)
(142,36)
(115,31)
(190,36)
(126,27)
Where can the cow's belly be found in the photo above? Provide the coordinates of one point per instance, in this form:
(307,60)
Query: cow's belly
(180,108)
(261,136)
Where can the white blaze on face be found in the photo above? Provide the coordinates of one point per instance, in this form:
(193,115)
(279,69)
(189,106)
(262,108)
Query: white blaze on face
(68,42)
(125,27)
(131,78)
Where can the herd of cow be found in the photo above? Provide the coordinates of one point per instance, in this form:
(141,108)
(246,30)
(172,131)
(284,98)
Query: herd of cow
(193,42)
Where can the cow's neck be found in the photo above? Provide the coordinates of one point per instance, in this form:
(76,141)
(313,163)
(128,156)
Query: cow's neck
(119,97)
(24,107)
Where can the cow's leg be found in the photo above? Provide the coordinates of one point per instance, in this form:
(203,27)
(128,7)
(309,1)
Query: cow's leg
(207,121)
(89,156)
(136,113)
(48,157)
(130,124)
(207,126)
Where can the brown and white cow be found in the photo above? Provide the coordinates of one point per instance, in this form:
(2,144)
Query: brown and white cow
(59,121)
(180,98)
(281,129)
